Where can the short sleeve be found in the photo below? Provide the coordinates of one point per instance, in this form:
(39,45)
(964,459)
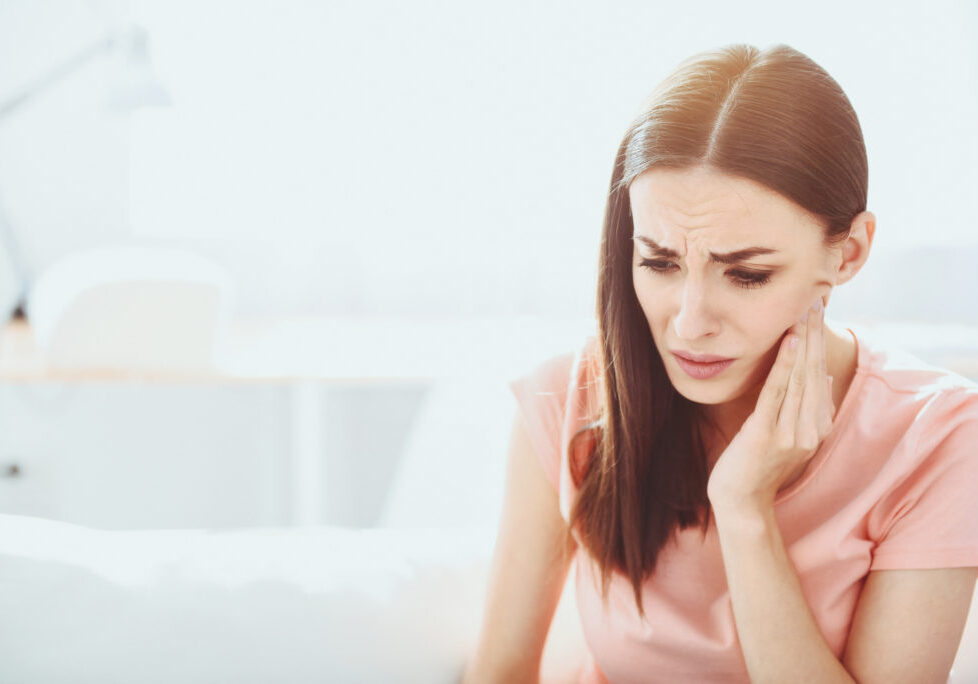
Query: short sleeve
(541,395)
(933,514)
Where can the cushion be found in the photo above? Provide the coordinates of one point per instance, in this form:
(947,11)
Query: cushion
(249,605)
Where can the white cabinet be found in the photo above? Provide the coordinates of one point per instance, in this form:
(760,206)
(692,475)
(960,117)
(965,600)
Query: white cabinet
(128,455)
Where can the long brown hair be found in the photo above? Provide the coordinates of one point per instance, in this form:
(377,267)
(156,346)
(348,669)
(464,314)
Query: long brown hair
(774,117)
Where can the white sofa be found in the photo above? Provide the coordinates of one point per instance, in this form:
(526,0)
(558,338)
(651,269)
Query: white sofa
(399,603)
(325,604)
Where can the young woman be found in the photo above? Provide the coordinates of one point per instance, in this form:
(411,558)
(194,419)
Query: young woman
(747,493)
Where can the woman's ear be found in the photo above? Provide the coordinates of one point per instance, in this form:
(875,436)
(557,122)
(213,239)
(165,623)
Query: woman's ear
(855,250)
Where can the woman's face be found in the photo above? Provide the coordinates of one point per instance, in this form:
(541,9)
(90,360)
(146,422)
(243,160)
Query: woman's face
(738,308)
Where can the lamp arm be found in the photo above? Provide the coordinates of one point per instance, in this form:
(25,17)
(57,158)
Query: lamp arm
(15,259)
(58,73)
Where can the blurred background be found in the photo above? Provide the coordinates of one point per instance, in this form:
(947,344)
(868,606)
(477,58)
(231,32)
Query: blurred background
(278,259)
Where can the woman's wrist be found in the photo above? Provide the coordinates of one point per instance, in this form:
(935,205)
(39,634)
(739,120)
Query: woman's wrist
(744,511)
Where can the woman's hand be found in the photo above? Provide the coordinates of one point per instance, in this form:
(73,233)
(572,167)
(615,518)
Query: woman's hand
(793,415)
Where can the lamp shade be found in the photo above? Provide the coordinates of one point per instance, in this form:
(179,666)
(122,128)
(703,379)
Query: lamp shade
(134,83)
(130,308)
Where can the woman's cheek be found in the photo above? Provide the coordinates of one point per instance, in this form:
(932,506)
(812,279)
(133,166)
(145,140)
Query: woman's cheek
(786,315)
(774,333)
(801,301)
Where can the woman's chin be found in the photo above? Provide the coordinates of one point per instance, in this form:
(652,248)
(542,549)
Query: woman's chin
(707,398)
(716,390)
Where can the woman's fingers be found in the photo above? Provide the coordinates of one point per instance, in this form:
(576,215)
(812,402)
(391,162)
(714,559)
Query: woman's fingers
(788,418)
(796,400)
(772,392)
(827,405)
(808,429)
(832,409)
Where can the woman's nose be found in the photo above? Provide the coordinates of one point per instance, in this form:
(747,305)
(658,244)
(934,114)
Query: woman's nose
(694,318)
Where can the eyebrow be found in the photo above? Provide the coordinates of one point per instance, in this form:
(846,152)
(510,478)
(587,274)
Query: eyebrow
(725,258)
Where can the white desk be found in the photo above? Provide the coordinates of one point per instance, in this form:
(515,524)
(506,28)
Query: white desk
(282,352)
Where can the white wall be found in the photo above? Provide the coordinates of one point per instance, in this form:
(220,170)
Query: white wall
(452,158)
(440,158)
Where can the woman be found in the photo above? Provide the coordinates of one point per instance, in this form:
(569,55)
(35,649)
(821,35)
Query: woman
(749,493)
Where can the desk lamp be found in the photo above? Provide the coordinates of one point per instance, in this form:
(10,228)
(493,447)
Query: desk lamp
(135,86)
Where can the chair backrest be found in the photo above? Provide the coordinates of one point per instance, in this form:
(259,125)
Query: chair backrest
(452,470)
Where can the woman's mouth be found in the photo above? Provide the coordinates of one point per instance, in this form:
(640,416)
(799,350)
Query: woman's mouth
(702,370)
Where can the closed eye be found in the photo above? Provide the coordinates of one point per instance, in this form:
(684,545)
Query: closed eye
(744,278)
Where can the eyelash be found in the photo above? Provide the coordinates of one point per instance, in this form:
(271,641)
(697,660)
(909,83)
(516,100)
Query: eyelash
(745,279)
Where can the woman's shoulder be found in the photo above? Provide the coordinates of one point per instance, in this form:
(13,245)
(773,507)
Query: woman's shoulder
(555,395)
(902,390)
(563,372)
(892,368)
(567,385)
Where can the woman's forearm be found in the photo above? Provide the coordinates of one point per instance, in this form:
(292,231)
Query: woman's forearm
(478,673)
(778,635)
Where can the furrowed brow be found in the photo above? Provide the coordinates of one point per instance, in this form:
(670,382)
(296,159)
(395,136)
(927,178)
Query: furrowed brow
(724,258)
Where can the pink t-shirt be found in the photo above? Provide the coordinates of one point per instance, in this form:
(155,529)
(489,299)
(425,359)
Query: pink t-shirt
(892,486)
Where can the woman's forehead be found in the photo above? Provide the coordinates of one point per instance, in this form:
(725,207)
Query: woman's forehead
(680,248)
(714,211)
